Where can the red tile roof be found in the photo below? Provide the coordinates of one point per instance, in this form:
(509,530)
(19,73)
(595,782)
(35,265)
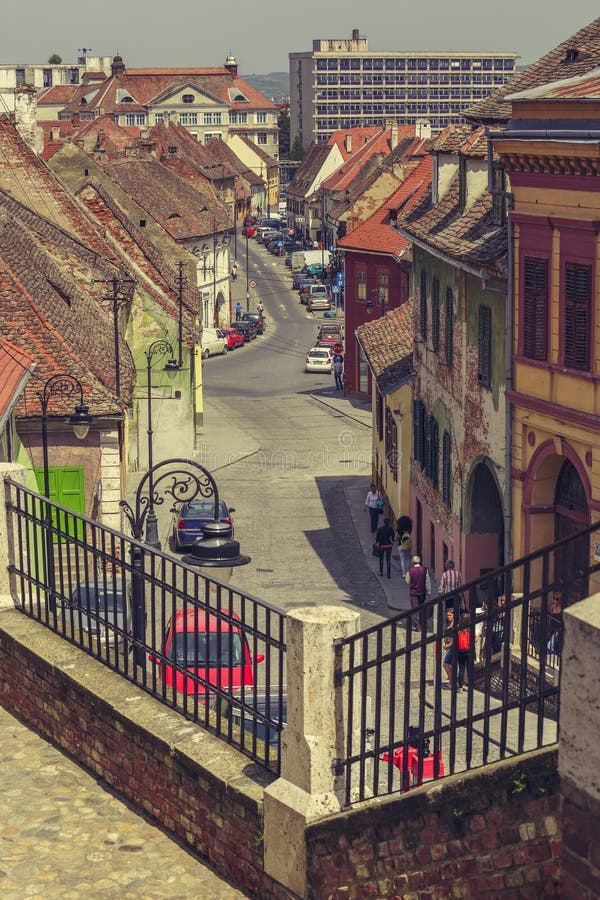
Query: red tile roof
(16,367)
(388,345)
(376,234)
(581,87)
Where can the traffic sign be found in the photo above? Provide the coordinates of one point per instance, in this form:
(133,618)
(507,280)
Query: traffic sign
(252,283)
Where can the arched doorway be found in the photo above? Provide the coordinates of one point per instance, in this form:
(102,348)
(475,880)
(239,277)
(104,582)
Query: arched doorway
(571,515)
(221,312)
(484,525)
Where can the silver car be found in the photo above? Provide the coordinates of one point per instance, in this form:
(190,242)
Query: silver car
(101,609)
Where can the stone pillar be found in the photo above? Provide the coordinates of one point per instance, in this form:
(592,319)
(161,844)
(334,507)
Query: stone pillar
(312,739)
(579,749)
(17,473)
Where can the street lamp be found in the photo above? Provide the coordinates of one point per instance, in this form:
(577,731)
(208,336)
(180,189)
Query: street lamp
(161,347)
(182,480)
(247,276)
(61,385)
(369,305)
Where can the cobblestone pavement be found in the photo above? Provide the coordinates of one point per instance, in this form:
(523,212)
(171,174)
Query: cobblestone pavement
(62,835)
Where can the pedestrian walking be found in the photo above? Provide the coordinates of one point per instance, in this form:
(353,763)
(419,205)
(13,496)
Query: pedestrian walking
(463,648)
(234,272)
(448,649)
(555,625)
(338,369)
(450,581)
(404,532)
(260,308)
(384,540)
(419,588)
(374,503)
(238,311)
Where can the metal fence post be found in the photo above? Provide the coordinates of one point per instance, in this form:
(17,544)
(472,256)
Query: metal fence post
(16,473)
(310,785)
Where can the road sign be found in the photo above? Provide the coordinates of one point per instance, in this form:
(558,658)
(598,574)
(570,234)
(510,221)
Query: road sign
(252,283)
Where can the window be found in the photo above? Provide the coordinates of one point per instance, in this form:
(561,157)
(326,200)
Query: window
(449,326)
(261,118)
(535,308)
(158,118)
(188,98)
(47,77)
(419,431)
(261,137)
(233,118)
(73,76)
(423,305)
(577,316)
(446,470)
(383,287)
(242,118)
(391,443)
(431,450)
(361,284)
(484,366)
(498,199)
(379,415)
(20,76)
(435,314)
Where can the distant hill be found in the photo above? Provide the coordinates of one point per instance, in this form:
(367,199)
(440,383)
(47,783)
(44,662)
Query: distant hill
(275,86)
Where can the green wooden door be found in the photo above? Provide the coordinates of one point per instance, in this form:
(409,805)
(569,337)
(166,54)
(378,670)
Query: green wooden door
(67,487)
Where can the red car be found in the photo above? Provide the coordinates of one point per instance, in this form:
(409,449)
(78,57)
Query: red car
(213,648)
(249,231)
(234,338)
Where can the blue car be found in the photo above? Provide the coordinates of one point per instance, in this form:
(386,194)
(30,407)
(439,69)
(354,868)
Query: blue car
(189,517)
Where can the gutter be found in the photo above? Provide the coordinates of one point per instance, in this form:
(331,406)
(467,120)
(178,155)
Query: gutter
(548,134)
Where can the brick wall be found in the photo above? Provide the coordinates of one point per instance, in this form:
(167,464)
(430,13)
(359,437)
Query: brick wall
(193,784)
(493,832)
(581,837)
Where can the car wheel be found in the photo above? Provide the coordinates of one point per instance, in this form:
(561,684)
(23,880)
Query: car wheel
(205,353)
(224,350)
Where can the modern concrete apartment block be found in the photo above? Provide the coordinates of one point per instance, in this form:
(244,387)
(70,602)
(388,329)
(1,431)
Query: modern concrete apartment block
(343,84)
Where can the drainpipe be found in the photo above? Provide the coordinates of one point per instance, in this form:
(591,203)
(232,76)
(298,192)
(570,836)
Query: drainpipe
(508,361)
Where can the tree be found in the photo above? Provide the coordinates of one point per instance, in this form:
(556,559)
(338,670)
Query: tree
(283,121)
(55,59)
(297,151)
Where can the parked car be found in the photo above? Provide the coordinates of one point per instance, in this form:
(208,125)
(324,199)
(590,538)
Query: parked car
(273,222)
(248,329)
(234,338)
(249,231)
(319,359)
(318,301)
(264,235)
(213,648)
(213,342)
(255,319)
(249,220)
(301,278)
(269,706)
(189,517)
(312,290)
(330,333)
(101,609)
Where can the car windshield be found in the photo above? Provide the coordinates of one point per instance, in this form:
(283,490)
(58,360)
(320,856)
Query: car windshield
(104,598)
(319,354)
(277,713)
(203,509)
(199,649)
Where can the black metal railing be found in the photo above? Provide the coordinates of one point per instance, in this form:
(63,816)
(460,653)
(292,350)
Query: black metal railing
(419,707)
(211,652)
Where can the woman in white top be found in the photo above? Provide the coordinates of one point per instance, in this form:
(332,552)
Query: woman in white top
(373,504)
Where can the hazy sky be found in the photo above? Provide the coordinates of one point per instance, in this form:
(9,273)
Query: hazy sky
(260,34)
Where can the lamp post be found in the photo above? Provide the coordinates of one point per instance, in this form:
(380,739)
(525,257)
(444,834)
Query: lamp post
(161,347)
(247,276)
(61,385)
(182,480)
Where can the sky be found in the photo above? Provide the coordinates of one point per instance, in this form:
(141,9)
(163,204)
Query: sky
(260,34)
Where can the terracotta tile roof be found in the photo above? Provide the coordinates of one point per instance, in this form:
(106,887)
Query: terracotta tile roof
(146,86)
(16,367)
(377,145)
(308,170)
(451,139)
(49,303)
(581,87)
(469,237)
(388,345)
(376,234)
(577,55)
(57,94)
(358,137)
(182,211)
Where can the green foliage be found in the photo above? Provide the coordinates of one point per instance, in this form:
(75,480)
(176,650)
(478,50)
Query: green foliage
(55,59)
(520,784)
(297,151)
(283,121)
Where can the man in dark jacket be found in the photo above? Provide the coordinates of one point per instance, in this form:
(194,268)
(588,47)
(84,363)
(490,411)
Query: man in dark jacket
(419,587)
(385,541)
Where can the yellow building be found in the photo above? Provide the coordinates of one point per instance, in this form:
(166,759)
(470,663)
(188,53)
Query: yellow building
(551,151)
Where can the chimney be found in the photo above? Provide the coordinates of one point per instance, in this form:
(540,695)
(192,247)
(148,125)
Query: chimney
(231,65)
(118,66)
(355,34)
(423,129)
(75,120)
(55,133)
(348,143)
(25,117)
(393,135)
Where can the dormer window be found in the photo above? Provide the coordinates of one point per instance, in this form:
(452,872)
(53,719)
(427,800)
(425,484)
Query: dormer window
(236,96)
(571,55)
(188,98)
(123,96)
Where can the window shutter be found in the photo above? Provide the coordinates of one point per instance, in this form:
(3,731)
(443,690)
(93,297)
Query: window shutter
(577,316)
(427,448)
(485,350)
(449,326)
(418,431)
(446,473)
(435,314)
(435,453)
(535,308)
(423,305)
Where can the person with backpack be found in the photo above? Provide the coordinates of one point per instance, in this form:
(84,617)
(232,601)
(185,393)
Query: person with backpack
(403,532)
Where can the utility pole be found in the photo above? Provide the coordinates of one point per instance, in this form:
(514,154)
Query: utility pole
(115,299)
(180,284)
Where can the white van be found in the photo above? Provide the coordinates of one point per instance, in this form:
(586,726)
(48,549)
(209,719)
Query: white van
(213,343)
